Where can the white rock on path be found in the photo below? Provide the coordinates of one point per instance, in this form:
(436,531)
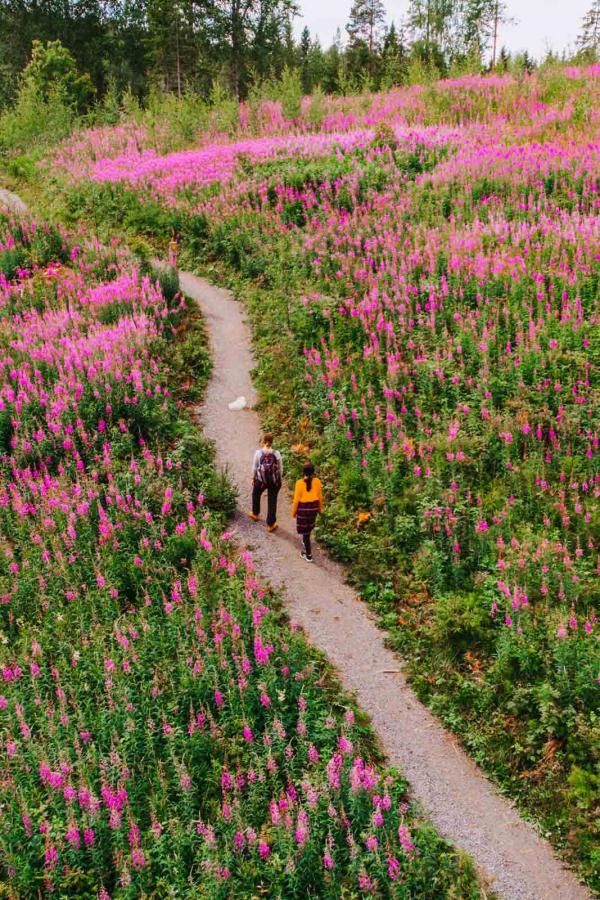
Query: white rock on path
(238,404)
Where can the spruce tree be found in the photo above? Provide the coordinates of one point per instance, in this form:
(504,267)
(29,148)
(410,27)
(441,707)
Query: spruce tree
(333,65)
(364,26)
(247,32)
(172,43)
(316,65)
(393,57)
(304,59)
(589,35)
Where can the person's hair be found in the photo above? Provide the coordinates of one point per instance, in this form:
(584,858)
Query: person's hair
(308,472)
(268,439)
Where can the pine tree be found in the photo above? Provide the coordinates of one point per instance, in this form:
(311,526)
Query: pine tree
(364,26)
(394,57)
(172,42)
(477,26)
(247,32)
(497,15)
(589,35)
(430,23)
(473,26)
(304,59)
(333,65)
(126,35)
(316,65)
(504,59)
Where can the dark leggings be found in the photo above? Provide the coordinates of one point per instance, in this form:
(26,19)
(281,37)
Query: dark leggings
(306,542)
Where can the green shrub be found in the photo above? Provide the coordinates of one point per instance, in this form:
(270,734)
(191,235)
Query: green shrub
(462,621)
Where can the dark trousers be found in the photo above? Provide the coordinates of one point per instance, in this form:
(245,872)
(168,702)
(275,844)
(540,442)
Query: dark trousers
(257,491)
(306,542)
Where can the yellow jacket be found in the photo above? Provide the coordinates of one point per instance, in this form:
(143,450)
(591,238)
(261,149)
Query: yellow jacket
(302,495)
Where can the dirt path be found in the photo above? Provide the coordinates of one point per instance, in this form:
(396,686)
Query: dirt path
(12,201)
(458,798)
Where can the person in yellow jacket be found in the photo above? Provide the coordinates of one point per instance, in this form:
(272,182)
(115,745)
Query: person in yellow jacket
(308,503)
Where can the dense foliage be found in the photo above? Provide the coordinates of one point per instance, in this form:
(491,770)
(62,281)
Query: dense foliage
(163,731)
(131,48)
(422,272)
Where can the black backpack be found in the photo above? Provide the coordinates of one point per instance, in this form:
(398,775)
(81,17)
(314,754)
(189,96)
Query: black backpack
(269,471)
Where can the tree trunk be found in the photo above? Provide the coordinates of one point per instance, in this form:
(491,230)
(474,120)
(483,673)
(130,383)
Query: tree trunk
(495,42)
(236,48)
(428,32)
(178,63)
(370,68)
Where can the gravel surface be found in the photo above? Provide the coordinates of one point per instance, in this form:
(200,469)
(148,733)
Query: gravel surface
(12,201)
(514,860)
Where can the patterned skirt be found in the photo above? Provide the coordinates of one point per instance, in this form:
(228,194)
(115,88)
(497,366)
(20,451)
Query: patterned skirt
(306,516)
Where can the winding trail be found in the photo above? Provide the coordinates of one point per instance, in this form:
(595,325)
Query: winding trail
(516,862)
(12,201)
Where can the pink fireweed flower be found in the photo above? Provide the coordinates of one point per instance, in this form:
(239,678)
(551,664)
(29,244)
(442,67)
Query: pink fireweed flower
(393,868)
(334,767)
(377,819)
(405,839)
(302,831)
(50,857)
(365,883)
(262,652)
(138,859)
(239,841)
(344,745)
(73,837)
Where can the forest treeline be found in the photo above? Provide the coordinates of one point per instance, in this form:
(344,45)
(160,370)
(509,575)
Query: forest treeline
(182,45)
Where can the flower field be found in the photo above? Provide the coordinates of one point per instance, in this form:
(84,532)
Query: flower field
(163,732)
(438,355)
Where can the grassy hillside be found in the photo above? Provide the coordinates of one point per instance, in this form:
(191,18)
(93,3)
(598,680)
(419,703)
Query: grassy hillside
(421,270)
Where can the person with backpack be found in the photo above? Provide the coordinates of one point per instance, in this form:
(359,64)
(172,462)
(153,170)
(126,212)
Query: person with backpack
(308,503)
(267,475)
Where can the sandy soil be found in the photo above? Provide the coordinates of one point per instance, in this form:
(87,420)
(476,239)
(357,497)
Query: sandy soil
(461,802)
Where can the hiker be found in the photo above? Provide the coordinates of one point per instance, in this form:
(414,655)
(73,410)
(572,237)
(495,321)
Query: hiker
(308,503)
(267,475)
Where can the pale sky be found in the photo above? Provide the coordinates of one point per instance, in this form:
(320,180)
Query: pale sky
(541,23)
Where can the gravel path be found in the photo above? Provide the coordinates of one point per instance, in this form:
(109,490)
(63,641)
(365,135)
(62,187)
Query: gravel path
(464,806)
(12,201)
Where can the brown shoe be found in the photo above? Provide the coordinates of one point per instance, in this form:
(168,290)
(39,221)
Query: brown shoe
(253,517)
(272,528)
